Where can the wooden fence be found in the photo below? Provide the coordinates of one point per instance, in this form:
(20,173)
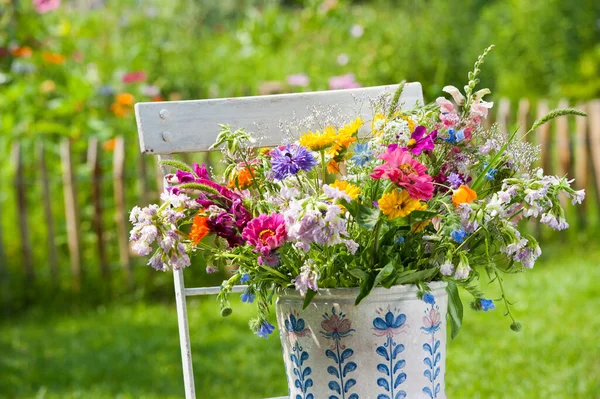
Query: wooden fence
(569,146)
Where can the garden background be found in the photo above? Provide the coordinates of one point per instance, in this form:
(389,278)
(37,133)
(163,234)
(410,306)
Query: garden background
(86,319)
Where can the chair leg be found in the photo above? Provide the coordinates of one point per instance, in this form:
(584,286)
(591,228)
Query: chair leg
(184,335)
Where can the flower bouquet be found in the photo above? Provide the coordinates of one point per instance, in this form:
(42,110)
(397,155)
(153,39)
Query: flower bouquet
(418,201)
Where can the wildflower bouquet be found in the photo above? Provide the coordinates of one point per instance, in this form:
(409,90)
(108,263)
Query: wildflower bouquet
(409,197)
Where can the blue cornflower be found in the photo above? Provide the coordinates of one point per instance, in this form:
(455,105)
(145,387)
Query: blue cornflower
(245,278)
(458,235)
(490,174)
(362,154)
(265,329)
(428,298)
(248,296)
(290,160)
(486,304)
(454,136)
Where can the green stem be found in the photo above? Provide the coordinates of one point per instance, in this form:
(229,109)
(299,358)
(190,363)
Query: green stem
(376,243)
(324,167)
(506,303)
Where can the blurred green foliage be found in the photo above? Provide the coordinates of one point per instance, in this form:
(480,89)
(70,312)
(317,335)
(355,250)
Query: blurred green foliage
(61,74)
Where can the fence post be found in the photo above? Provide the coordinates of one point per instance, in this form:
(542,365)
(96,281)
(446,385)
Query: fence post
(594,120)
(71,213)
(93,161)
(47,198)
(120,212)
(19,184)
(143,179)
(563,144)
(523,117)
(543,137)
(581,160)
(503,114)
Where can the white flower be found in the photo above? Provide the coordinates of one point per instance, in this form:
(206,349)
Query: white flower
(459,99)
(307,279)
(447,268)
(335,193)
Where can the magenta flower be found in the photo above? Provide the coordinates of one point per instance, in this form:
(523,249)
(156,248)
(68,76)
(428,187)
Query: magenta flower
(266,232)
(134,77)
(346,81)
(44,6)
(420,140)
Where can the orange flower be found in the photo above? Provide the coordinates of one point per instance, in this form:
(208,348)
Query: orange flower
(109,145)
(157,99)
(463,195)
(124,99)
(53,58)
(333,167)
(243,178)
(199,229)
(22,52)
(119,110)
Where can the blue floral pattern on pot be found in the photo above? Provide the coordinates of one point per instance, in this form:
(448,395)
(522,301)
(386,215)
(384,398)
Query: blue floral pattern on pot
(336,327)
(431,325)
(389,324)
(295,328)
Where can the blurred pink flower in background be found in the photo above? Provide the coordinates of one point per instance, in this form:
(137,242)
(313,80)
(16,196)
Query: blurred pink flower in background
(44,6)
(134,77)
(298,79)
(357,30)
(150,90)
(346,81)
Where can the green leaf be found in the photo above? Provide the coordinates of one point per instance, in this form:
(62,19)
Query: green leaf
(413,276)
(384,274)
(367,217)
(455,308)
(419,216)
(310,294)
(365,288)
(176,164)
(358,273)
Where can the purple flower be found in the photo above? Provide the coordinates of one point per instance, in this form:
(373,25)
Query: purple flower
(270,260)
(298,79)
(343,82)
(223,225)
(486,304)
(200,171)
(291,159)
(265,329)
(265,232)
(307,279)
(455,180)
(420,140)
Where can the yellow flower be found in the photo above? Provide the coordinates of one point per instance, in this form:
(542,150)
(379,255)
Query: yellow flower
(318,141)
(410,121)
(351,128)
(333,167)
(346,187)
(53,58)
(379,121)
(419,226)
(398,204)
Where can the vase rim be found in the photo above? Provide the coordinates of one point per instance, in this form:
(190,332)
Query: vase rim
(403,291)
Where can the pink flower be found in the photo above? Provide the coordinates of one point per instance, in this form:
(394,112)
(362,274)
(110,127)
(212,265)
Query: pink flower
(420,140)
(44,6)
(408,173)
(343,82)
(134,77)
(445,105)
(480,108)
(298,79)
(459,99)
(266,232)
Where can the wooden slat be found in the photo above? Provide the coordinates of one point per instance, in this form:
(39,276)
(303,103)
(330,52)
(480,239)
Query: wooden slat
(120,208)
(543,137)
(503,114)
(142,180)
(95,170)
(581,162)
(22,211)
(594,121)
(563,144)
(48,217)
(192,126)
(523,116)
(71,213)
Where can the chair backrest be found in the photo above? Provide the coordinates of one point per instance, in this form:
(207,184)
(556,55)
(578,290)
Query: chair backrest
(166,128)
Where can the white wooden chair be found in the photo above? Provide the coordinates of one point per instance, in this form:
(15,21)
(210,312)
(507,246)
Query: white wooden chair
(167,128)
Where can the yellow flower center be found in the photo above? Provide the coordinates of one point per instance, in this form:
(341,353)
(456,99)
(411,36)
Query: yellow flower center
(407,168)
(263,235)
(411,143)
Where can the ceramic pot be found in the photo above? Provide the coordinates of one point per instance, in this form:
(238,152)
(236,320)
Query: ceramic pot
(391,346)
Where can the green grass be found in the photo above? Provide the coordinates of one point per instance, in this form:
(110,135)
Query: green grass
(132,350)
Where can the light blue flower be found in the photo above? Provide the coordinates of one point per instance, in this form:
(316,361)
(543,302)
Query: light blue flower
(458,235)
(399,240)
(455,137)
(486,304)
(248,297)
(428,298)
(362,154)
(245,278)
(490,174)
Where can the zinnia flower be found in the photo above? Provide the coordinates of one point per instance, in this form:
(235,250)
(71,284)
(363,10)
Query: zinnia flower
(199,229)
(266,232)
(290,160)
(44,6)
(398,204)
(420,141)
(463,195)
(318,141)
(402,169)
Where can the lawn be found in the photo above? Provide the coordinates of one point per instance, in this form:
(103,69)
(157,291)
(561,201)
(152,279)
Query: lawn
(131,350)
